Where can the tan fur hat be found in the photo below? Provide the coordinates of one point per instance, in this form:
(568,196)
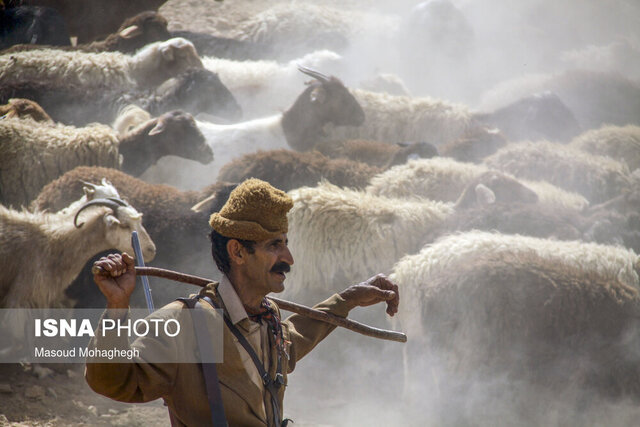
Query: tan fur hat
(255,211)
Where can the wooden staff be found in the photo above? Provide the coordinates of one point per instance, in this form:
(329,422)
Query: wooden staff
(285,305)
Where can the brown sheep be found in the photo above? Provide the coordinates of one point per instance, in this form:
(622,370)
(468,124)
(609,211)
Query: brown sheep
(286,169)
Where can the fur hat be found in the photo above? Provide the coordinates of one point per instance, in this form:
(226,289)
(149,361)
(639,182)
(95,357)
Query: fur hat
(255,211)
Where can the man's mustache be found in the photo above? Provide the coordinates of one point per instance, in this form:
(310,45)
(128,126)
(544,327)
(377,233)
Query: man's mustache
(281,267)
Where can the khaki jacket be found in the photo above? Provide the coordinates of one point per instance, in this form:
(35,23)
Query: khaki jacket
(182,385)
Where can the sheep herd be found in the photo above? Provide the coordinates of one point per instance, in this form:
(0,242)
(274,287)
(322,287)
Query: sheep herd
(510,224)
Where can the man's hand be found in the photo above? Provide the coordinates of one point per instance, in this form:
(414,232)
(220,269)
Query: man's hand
(374,290)
(117,279)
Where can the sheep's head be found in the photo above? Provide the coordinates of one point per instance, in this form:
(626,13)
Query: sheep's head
(326,100)
(117,224)
(179,135)
(140,30)
(198,90)
(160,61)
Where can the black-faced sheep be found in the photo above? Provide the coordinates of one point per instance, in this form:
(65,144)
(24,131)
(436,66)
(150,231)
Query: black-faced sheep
(264,87)
(29,24)
(619,142)
(134,33)
(376,153)
(325,100)
(553,313)
(195,91)
(149,67)
(44,252)
(36,153)
(21,108)
(598,178)
(286,169)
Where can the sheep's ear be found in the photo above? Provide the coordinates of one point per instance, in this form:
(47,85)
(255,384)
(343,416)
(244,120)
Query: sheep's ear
(130,32)
(110,220)
(158,128)
(484,195)
(167,52)
(318,95)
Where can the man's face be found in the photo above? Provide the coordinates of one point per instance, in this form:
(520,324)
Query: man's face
(267,266)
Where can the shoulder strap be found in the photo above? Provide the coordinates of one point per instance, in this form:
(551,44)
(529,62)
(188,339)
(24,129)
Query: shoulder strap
(270,384)
(214,396)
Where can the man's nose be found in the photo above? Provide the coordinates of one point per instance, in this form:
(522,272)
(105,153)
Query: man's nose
(287,256)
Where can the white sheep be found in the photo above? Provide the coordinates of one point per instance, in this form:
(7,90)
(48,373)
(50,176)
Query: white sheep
(33,245)
(149,67)
(264,87)
(519,306)
(619,142)
(598,178)
(340,235)
(392,119)
(444,179)
(301,27)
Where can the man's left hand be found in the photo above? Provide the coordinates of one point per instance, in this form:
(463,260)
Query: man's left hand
(374,290)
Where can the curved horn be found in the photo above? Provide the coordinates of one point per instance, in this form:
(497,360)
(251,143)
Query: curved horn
(313,73)
(111,202)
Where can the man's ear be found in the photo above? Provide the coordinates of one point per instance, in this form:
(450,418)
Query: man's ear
(237,252)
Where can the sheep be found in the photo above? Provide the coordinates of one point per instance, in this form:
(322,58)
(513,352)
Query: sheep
(598,178)
(554,313)
(539,116)
(134,33)
(265,86)
(180,233)
(376,153)
(401,118)
(91,20)
(32,24)
(194,90)
(445,179)
(619,142)
(18,107)
(299,28)
(34,154)
(44,252)
(325,100)
(149,67)
(287,169)
(339,235)
(595,98)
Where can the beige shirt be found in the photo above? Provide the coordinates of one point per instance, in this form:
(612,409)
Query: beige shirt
(255,333)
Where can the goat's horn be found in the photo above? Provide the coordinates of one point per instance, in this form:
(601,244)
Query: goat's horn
(110,202)
(313,73)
